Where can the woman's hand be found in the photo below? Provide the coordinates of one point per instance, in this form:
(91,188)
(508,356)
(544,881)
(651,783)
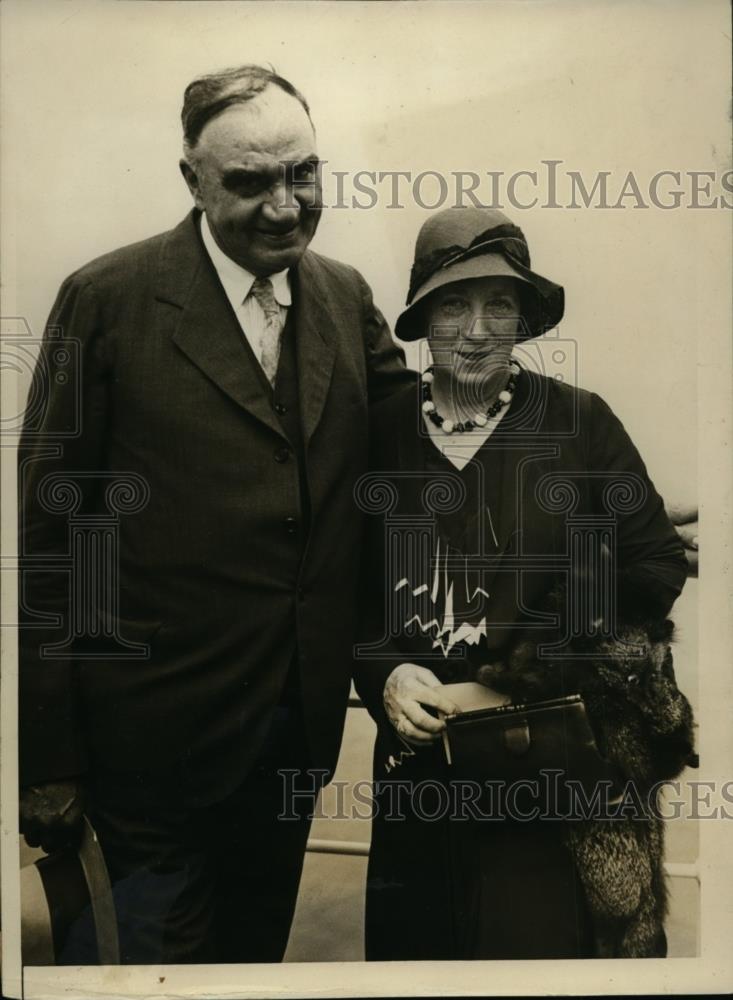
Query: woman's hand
(408,688)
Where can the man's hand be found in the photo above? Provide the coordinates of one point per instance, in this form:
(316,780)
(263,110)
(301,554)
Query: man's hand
(684,519)
(51,814)
(408,688)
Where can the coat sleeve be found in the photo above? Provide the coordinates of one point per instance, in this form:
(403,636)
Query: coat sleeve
(371,672)
(386,375)
(62,437)
(372,668)
(651,562)
(376,654)
(386,371)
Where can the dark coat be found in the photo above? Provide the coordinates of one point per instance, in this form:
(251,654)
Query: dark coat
(217,575)
(557,462)
(558,455)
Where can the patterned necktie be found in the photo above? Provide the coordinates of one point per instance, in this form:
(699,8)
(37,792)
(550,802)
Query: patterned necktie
(271,337)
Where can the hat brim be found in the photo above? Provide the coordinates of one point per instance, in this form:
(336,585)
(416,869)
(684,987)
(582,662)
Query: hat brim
(543,302)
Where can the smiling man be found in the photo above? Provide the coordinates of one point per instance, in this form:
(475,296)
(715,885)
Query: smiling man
(226,372)
(263,146)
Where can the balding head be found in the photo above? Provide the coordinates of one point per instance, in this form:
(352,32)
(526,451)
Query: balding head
(209,95)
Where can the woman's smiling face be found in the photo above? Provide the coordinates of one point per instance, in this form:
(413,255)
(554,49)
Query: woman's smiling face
(472,325)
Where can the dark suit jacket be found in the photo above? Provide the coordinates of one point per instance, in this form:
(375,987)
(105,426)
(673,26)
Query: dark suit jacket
(209,538)
(559,455)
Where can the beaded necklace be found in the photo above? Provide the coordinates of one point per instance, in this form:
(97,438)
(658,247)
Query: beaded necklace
(478,419)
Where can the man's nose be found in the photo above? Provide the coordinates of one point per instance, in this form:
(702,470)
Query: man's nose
(280,208)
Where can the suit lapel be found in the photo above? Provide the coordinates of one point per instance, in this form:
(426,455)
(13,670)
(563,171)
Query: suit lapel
(315,336)
(208,332)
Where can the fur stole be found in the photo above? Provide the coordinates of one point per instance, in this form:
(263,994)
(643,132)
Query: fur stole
(643,724)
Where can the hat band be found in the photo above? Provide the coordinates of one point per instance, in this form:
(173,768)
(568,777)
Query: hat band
(509,240)
(475,249)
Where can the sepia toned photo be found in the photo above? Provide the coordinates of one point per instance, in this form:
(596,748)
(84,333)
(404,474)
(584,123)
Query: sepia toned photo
(366,481)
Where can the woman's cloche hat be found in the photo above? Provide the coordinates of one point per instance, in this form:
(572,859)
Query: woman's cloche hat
(471,242)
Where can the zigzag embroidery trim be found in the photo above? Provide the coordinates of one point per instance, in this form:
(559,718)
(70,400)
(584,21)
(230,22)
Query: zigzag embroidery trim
(447,632)
(393,762)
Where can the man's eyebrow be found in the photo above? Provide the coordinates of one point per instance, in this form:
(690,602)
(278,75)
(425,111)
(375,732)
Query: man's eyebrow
(264,172)
(235,175)
(310,160)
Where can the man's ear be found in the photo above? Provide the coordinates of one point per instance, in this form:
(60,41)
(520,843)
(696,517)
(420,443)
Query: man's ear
(192,181)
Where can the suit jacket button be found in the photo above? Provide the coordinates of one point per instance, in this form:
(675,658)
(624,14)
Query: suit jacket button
(291,525)
(280,409)
(282,454)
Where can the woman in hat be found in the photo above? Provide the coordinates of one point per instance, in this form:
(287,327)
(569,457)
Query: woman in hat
(476,471)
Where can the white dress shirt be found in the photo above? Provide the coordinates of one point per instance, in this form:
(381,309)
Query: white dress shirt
(237,282)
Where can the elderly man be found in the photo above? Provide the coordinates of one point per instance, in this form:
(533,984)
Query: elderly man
(225,376)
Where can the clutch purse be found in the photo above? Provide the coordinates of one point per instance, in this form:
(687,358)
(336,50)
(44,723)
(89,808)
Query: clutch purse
(520,743)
